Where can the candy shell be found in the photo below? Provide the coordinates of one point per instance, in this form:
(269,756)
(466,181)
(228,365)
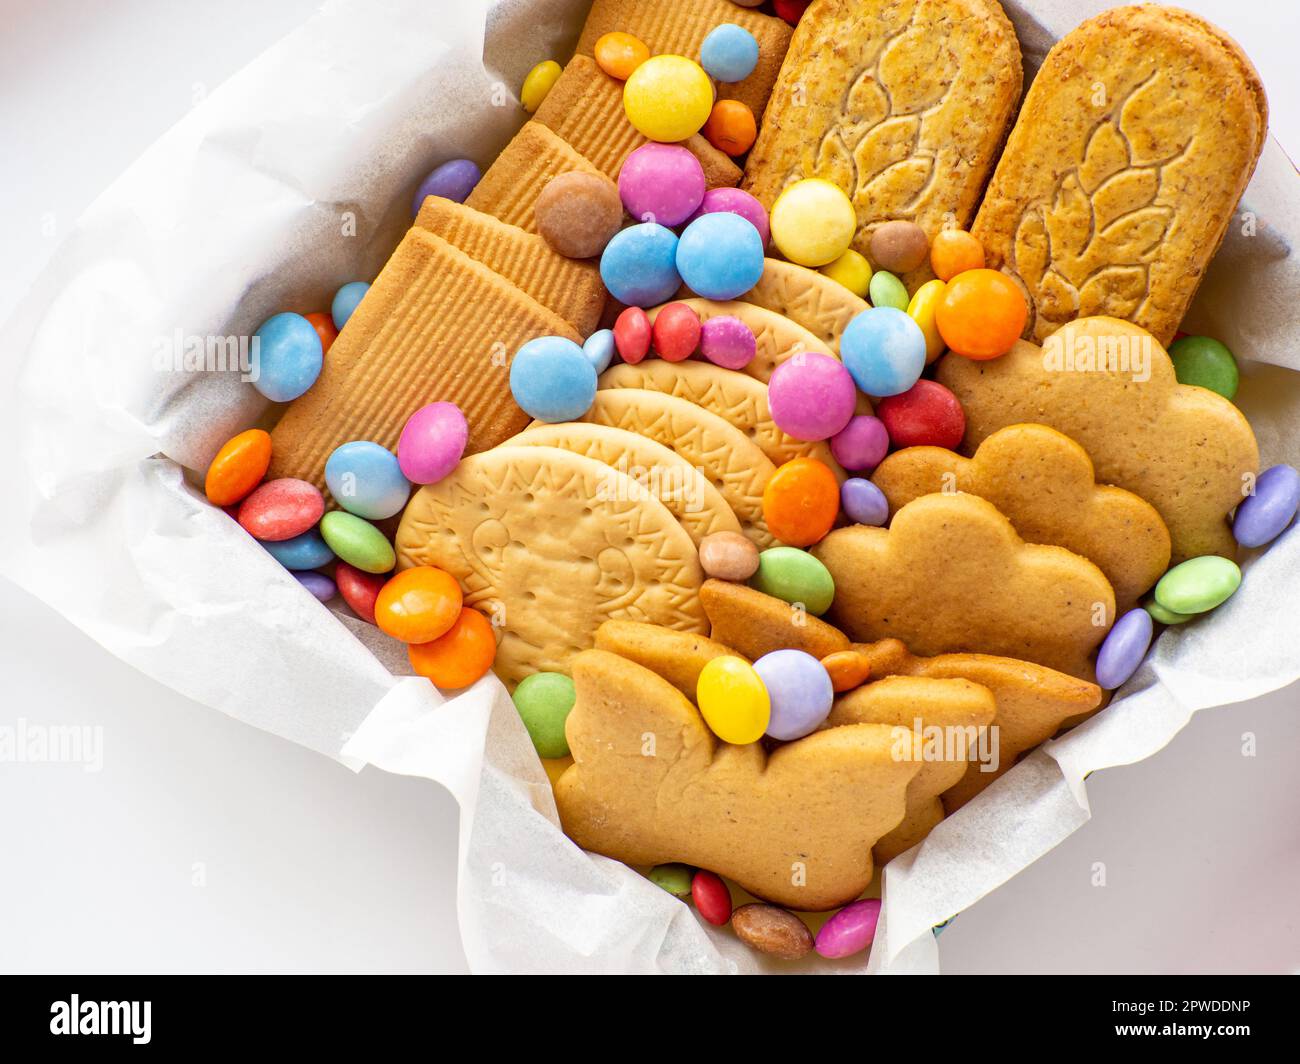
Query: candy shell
(864,503)
(578,214)
(852,270)
(733,700)
(954,251)
(453,180)
(812,396)
(886,290)
(921,309)
(801,501)
(674,878)
(790,10)
(982,314)
(712,898)
(676,332)
(728,200)
(1265,514)
(1124,648)
(543,701)
(289,357)
(1198,584)
(538,83)
(359,590)
(720,256)
(238,467)
(418,604)
(813,222)
(639,266)
(884,350)
(773,931)
(357,542)
(794,576)
(847,669)
(926,415)
(432,442)
(321,586)
(731,127)
(552,380)
(346,300)
(459,656)
(599,349)
(1206,363)
(668,98)
(325,329)
(618,54)
(632,335)
(849,931)
(800,692)
(728,556)
(366,479)
(308,551)
(1163,616)
(728,342)
(661,183)
(862,444)
(281,509)
(729,53)
(899,246)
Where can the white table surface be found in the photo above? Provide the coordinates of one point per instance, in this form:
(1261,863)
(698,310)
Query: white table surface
(204,845)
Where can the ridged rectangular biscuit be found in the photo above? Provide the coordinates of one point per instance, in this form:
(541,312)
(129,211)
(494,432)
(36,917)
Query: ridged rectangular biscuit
(903,104)
(511,185)
(1118,183)
(585,107)
(678,27)
(569,287)
(435,326)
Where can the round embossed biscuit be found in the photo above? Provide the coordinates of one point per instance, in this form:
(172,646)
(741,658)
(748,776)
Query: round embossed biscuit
(822,306)
(696,503)
(550,545)
(731,461)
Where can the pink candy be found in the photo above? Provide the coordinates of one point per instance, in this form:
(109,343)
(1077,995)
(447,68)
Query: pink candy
(849,931)
(281,509)
(661,183)
(728,342)
(812,396)
(432,443)
(861,444)
(735,201)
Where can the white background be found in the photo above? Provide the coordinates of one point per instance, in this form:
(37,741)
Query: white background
(204,845)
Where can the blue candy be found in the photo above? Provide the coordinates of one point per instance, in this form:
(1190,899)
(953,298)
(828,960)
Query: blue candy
(453,180)
(799,689)
(552,379)
(884,349)
(346,300)
(863,502)
(289,357)
(1125,646)
(307,551)
(318,584)
(729,53)
(639,266)
(720,256)
(1263,516)
(366,480)
(599,349)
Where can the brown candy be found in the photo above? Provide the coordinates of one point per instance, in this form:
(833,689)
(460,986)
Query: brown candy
(899,247)
(773,931)
(578,213)
(728,556)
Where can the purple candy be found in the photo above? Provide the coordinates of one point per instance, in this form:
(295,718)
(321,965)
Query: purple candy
(318,584)
(661,183)
(849,931)
(812,396)
(1125,647)
(728,342)
(736,201)
(862,444)
(863,502)
(432,443)
(453,180)
(1263,516)
(799,688)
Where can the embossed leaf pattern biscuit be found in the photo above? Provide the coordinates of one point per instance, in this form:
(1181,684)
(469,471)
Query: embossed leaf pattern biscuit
(808,298)
(550,545)
(651,784)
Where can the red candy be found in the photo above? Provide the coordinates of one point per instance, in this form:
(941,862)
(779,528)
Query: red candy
(926,415)
(281,509)
(676,332)
(711,897)
(359,590)
(791,10)
(632,335)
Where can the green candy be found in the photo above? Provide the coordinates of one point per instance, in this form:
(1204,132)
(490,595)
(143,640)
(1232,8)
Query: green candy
(543,701)
(886,290)
(357,542)
(674,878)
(1205,362)
(794,576)
(1198,584)
(1164,616)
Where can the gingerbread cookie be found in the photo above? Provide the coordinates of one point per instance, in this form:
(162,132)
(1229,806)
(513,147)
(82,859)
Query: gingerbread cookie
(951,574)
(1043,482)
(651,784)
(1136,141)
(510,186)
(676,656)
(808,298)
(756,624)
(1110,387)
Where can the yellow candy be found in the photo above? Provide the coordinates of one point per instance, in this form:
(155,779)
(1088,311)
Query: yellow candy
(852,271)
(921,310)
(539,82)
(668,98)
(813,222)
(733,700)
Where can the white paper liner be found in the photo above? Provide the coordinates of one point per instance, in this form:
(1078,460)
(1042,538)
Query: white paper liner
(237,212)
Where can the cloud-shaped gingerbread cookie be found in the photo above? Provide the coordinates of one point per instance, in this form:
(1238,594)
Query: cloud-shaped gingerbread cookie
(950,574)
(1108,385)
(1043,481)
(651,784)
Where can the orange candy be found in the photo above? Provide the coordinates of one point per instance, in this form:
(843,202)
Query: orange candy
(848,669)
(460,655)
(618,54)
(731,127)
(418,605)
(238,468)
(801,502)
(981,314)
(954,251)
(324,326)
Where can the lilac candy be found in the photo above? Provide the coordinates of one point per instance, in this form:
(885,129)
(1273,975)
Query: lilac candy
(1263,516)
(849,931)
(453,180)
(661,183)
(811,396)
(728,342)
(862,445)
(799,689)
(320,585)
(432,442)
(863,502)
(736,201)
(1125,646)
